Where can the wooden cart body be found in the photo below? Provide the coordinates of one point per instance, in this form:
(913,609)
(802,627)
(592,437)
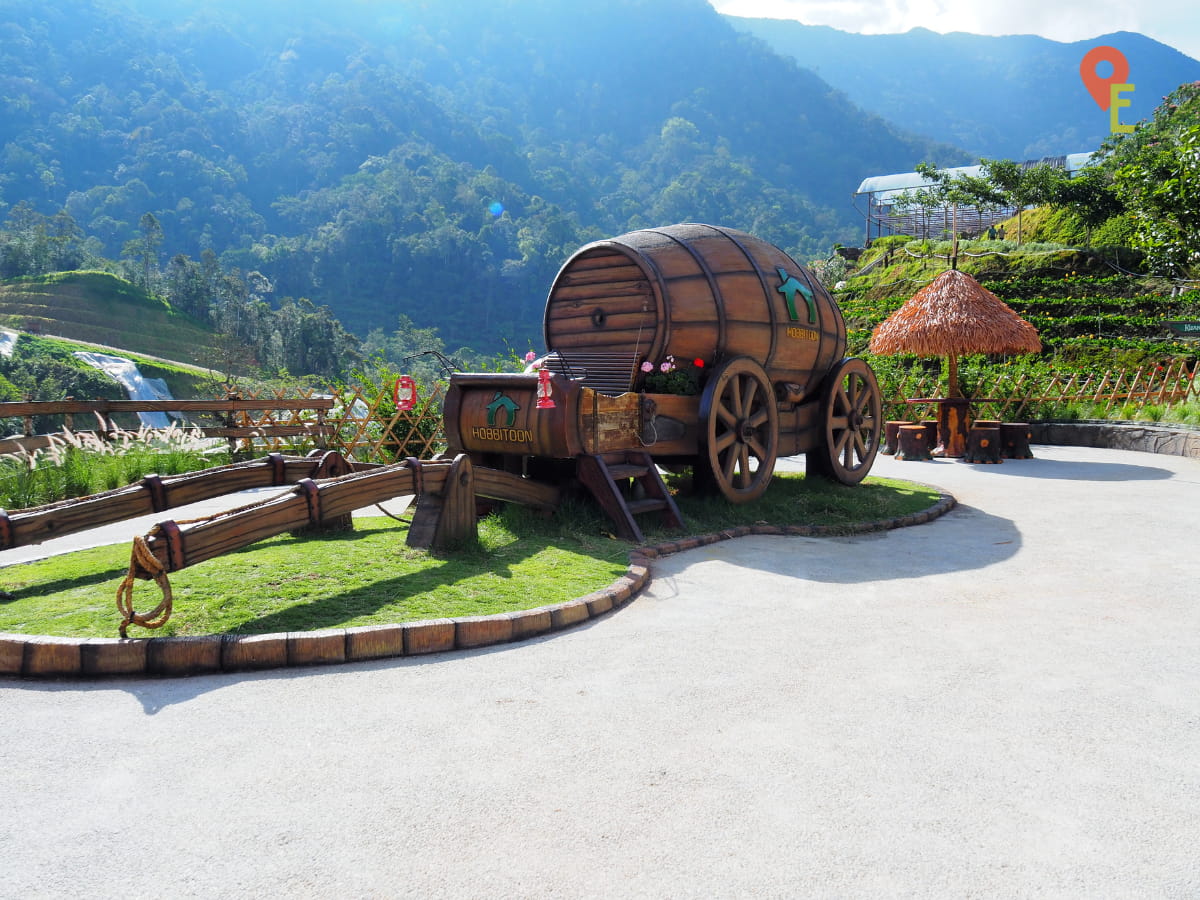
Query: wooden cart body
(771,339)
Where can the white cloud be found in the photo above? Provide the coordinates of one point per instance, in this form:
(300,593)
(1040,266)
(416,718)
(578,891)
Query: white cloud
(1173,22)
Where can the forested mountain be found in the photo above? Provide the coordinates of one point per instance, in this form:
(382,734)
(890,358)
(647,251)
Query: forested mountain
(1013,97)
(437,160)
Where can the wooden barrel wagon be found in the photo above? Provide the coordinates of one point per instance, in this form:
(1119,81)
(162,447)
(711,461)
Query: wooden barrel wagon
(762,337)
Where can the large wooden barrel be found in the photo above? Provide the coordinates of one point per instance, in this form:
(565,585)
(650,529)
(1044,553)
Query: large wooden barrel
(498,414)
(695,292)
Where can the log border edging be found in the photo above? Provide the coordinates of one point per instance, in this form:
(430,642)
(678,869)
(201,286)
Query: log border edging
(38,656)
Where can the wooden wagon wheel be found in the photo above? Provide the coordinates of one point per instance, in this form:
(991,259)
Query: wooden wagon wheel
(739,436)
(852,420)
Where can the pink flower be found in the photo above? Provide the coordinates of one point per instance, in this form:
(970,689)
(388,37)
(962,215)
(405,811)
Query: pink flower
(536,364)
(647,366)
(530,356)
(665,367)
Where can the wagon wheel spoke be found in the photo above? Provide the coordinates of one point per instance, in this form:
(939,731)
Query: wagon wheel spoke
(731,458)
(734,391)
(728,419)
(723,442)
(854,450)
(861,395)
(745,474)
(739,429)
(758,450)
(748,392)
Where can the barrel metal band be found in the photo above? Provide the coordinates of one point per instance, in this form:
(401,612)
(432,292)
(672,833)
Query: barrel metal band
(418,475)
(278,468)
(312,495)
(158,494)
(172,537)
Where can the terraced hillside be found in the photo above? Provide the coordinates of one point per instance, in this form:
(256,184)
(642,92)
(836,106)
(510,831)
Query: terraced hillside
(1095,322)
(1083,320)
(100,308)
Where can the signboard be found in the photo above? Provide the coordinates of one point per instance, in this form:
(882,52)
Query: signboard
(1185,329)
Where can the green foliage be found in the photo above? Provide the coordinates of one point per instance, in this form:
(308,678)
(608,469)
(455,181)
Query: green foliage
(438,161)
(1118,231)
(397,434)
(1156,173)
(81,463)
(406,351)
(1090,324)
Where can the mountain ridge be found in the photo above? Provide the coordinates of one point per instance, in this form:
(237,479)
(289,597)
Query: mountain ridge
(439,162)
(1002,97)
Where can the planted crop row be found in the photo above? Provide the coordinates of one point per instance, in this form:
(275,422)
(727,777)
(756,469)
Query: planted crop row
(1092,326)
(1069,286)
(1149,305)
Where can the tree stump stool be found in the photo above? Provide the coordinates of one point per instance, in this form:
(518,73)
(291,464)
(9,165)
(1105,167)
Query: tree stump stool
(931,432)
(1014,440)
(983,445)
(913,442)
(891,435)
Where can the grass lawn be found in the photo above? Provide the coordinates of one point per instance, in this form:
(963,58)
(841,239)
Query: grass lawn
(369,576)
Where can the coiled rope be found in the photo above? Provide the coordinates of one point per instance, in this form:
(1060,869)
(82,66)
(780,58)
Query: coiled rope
(143,562)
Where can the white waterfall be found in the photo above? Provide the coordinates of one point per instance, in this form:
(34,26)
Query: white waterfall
(126,374)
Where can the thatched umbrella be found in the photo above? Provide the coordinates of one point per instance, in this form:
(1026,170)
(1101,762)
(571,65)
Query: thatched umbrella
(952,315)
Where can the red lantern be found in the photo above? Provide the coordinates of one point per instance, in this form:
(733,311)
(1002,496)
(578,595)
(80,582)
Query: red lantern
(544,399)
(405,393)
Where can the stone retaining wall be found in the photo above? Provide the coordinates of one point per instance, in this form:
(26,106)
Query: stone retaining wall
(1146,437)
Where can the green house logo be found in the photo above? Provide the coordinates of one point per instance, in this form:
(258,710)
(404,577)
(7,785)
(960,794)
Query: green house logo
(789,287)
(504,403)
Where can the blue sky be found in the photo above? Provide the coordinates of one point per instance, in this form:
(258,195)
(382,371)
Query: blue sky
(1173,22)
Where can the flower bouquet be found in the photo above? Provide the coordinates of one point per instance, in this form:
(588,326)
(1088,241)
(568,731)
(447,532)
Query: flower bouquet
(672,376)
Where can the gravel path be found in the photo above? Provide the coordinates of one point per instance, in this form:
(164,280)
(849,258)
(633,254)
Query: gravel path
(1004,702)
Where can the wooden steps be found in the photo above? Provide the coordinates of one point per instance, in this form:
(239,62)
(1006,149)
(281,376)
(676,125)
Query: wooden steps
(627,484)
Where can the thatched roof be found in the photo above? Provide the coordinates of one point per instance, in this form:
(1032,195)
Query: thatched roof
(953,315)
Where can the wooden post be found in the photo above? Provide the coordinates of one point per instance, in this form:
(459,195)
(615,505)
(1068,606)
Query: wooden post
(447,520)
(229,423)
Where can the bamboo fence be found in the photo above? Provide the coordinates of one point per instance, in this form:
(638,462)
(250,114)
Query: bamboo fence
(1024,397)
(363,423)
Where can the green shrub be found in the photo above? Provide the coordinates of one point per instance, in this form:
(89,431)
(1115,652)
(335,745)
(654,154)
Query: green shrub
(79,464)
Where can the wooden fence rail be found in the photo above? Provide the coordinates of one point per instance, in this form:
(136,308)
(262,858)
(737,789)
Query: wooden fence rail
(245,420)
(156,494)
